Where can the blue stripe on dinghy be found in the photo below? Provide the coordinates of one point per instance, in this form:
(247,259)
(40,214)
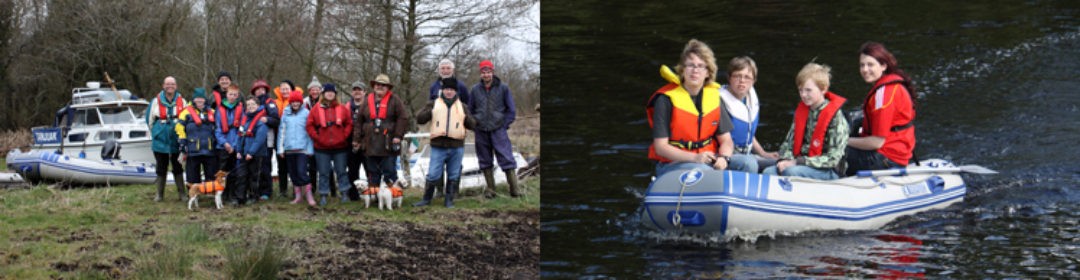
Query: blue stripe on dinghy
(88,170)
(738,184)
(828,212)
(763,182)
(723,219)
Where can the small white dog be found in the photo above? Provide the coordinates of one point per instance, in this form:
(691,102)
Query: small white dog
(386,196)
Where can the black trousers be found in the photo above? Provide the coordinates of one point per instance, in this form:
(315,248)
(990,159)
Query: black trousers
(162,160)
(356,162)
(206,164)
(282,174)
(249,179)
(381,169)
(866,160)
(227,163)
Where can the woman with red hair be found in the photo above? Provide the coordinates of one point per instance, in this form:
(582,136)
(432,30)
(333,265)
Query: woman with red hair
(886,138)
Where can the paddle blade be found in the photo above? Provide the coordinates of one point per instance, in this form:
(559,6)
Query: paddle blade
(977,169)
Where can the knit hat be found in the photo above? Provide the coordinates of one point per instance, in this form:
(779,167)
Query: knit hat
(329,87)
(314,82)
(224,73)
(382,79)
(358,85)
(199,93)
(291,84)
(296,96)
(450,83)
(487,64)
(260,83)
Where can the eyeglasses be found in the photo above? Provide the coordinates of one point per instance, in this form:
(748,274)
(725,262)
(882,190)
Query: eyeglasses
(747,78)
(695,66)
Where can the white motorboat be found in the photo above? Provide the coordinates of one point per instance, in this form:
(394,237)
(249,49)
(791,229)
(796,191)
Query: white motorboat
(95,116)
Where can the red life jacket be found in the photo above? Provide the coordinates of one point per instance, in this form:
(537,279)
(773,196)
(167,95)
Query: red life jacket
(888,94)
(825,116)
(339,112)
(238,111)
(691,130)
(885,80)
(372,114)
(195,116)
(251,125)
(163,112)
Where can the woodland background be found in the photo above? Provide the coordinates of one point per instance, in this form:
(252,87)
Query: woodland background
(47,47)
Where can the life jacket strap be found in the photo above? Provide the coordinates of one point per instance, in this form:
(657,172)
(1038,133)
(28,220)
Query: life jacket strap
(691,145)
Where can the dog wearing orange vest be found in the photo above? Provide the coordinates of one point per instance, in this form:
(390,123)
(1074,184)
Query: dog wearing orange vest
(386,196)
(216,187)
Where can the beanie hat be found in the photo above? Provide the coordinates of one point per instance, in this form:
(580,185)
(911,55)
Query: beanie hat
(296,96)
(314,82)
(450,83)
(199,93)
(329,87)
(487,64)
(224,73)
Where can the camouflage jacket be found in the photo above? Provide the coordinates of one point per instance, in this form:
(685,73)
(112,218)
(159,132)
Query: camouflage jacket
(835,140)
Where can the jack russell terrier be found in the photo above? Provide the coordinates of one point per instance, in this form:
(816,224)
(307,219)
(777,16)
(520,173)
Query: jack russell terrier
(386,196)
(215,187)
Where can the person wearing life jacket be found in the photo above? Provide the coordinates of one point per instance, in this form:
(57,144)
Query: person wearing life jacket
(741,101)
(224,80)
(261,91)
(229,114)
(887,135)
(382,126)
(329,124)
(295,146)
(196,134)
(690,128)
(814,146)
(251,152)
(161,117)
(356,158)
(450,121)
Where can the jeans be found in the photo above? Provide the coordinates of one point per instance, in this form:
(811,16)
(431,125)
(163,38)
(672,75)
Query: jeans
(805,171)
(662,168)
(336,160)
(448,159)
(297,163)
(380,169)
(749,163)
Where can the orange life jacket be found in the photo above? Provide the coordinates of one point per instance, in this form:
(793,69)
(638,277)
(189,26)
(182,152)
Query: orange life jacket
(825,116)
(691,130)
(209,187)
(163,112)
(394,192)
(238,111)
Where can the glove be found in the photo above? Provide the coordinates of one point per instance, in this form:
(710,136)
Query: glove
(183,146)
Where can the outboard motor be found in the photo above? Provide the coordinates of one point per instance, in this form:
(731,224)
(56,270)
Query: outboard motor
(855,119)
(111,150)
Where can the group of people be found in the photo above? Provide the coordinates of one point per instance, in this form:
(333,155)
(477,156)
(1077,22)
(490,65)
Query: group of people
(697,123)
(322,139)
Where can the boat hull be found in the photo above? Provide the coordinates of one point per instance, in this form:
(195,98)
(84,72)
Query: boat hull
(41,166)
(737,204)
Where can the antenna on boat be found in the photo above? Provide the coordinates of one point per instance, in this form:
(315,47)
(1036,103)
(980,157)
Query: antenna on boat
(113,86)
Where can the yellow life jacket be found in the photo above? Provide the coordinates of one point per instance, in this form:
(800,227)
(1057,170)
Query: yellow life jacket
(448,121)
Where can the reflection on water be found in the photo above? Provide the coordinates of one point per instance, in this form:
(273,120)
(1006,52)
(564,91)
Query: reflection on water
(997,85)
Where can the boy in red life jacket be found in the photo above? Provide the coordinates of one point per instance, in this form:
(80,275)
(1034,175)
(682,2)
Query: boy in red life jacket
(196,133)
(229,114)
(814,145)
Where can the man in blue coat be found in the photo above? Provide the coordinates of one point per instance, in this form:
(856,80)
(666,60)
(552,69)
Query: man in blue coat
(493,107)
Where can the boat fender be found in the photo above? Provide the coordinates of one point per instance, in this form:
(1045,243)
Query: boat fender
(82,154)
(689,218)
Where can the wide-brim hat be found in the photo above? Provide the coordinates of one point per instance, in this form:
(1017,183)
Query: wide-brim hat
(382,79)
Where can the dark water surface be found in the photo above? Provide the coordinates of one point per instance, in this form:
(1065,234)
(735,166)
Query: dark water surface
(999,86)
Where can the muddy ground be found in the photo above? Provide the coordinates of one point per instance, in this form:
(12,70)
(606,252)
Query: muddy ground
(470,250)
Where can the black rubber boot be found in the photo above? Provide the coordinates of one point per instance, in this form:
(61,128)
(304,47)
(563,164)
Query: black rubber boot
(451,191)
(489,176)
(429,191)
(160,189)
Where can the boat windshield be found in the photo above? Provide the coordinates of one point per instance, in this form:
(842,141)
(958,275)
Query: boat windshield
(85,117)
(116,115)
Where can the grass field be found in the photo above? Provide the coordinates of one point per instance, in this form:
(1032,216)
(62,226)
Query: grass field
(118,232)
